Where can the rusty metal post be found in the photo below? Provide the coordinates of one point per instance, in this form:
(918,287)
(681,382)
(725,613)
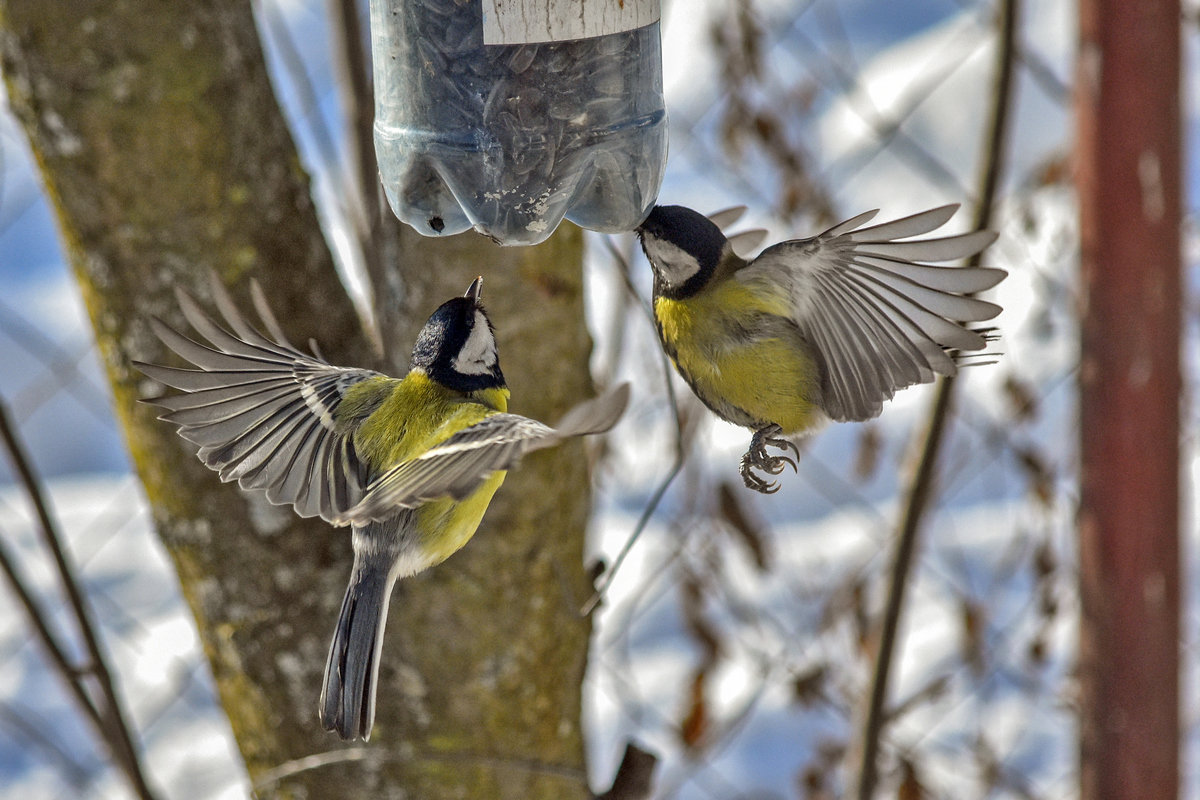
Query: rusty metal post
(1128,157)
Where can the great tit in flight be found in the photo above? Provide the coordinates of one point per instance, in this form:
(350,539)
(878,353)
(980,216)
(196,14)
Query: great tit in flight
(816,329)
(409,464)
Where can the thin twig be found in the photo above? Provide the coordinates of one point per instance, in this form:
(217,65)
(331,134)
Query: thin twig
(618,322)
(676,466)
(42,630)
(321,760)
(379,755)
(357,99)
(114,726)
(378,232)
(351,62)
(921,486)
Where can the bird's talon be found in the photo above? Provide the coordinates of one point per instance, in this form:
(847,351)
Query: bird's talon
(784,444)
(779,462)
(759,485)
(774,465)
(756,457)
(754,482)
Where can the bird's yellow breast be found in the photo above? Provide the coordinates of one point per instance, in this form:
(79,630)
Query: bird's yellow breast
(418,414)
(734,345)
(446,525)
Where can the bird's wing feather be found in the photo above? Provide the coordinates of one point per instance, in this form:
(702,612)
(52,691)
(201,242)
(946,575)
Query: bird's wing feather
(880,316)
(742,242)
(746,242)
(458,465)
(453,468)
(727,216)
(263,412)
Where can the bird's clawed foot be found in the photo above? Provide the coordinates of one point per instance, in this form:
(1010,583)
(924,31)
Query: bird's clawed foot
(757,458)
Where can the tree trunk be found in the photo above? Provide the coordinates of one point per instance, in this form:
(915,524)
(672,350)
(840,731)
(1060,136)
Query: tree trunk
(165,153)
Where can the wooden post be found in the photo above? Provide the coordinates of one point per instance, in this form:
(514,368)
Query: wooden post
(1128,156)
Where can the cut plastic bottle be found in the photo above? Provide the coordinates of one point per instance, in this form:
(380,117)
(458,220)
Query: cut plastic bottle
(510,137)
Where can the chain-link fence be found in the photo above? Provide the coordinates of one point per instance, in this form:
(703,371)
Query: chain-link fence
(738,641)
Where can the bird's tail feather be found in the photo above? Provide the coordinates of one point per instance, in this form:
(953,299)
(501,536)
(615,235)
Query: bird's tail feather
(352,671)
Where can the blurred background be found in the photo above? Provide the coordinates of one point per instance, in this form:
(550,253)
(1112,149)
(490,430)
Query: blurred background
(734,641)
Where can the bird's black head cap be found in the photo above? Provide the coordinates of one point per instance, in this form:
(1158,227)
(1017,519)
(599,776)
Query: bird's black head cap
(683,246)
(457,346)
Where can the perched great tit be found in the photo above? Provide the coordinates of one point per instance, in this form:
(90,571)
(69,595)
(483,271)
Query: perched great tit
(811,329)
(410,465)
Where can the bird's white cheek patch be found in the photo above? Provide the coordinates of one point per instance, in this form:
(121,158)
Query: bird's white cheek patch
(478,355)
(675,264)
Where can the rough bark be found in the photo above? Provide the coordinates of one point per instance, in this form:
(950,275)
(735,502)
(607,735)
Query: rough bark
(165,153)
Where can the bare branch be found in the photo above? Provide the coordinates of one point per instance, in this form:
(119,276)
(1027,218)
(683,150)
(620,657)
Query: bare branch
(377,230)
(357,99)
(344,755)
(109,717)
(676,466)
(41,628)
(920,488)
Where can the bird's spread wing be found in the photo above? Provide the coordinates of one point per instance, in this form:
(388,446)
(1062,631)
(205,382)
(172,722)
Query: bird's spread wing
(878,318)
(457,465)
(262,411)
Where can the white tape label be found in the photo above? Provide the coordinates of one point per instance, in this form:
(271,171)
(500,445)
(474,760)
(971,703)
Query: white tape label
(532,21)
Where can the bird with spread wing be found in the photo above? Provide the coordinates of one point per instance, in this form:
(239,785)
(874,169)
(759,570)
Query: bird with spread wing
(825,328)
(409,464)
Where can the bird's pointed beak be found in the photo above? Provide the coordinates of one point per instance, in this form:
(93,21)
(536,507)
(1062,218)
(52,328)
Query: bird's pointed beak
(475,289)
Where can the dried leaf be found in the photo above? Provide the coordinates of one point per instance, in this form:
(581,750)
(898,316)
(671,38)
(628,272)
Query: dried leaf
(973,624)
(862,619)
(766,127)
(1054,171)
(815,780)
(926,694)
(814,784)
(1045,566)
(809,686)
(910,783)
(803,97)
(793,199)
(1045,562)
(1037,651)
(695,622)
(696,723)
(1038,473)
(749,532)
(866,459)
(1047,603)
(1022,400)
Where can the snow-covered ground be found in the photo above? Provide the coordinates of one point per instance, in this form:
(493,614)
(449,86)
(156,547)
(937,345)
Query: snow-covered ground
(826,535)
(152,645)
